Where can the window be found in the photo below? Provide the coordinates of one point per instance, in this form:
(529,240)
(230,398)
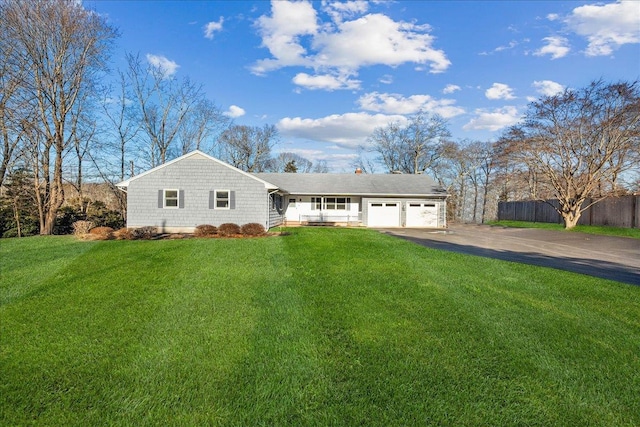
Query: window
(170,198)
(342,203)
(292,203)
(221,199)
(330,203)
(337,203)
(316,203)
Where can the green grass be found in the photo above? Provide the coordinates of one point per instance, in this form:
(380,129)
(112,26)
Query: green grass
(319,327)
(589,229)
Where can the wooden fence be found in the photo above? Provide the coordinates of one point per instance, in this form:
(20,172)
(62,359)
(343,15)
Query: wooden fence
(614,211)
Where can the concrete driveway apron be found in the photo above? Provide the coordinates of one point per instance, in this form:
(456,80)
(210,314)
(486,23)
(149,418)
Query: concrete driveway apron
(615,258)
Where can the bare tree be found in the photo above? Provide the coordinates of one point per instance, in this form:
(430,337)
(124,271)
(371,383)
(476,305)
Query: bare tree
(248,148)
(121,123)
(201,127)
(13,106)
(280,162)
(62,47)
(363,161)
(486,166)
(579,142)
(320,166)
(388,142)
(411,148)
(164,104)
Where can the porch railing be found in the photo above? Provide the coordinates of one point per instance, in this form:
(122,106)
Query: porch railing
(323,218)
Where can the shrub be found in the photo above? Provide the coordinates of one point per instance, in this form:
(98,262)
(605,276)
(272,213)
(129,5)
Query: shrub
(144,233)
(66,217)
(205,230)
(252,229)
(82,228)
(123,234)
(229,229)
(102,233)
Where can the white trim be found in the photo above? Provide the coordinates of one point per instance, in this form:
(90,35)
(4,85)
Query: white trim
(215,200)
(164,198)
(403,195)
(126,182)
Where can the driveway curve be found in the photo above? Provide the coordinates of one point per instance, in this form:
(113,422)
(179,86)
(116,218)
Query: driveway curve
(614,258)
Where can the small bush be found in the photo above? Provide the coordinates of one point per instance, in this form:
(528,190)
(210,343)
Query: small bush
(144,233)
(101,233)
(229,229)
(123,234)
(253,229)
(82,228)
(205,230)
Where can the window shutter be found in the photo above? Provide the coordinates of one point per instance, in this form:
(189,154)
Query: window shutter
(160,199)
(180,199)
(232,199)
(212,199)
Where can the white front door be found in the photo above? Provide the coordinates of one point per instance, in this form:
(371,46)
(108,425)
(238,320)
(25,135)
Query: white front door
(383,214)
(422,215)
(292,213)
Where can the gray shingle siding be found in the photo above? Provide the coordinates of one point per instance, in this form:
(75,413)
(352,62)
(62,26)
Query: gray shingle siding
(195,177)
(276,210)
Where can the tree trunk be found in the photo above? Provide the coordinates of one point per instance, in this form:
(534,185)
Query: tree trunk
(16,216)
(570,213)
(56,197)
(484,202)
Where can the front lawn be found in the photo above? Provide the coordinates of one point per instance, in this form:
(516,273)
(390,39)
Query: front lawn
(320,327)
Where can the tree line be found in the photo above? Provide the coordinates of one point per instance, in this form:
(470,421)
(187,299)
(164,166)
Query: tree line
(578,145)
(59,125)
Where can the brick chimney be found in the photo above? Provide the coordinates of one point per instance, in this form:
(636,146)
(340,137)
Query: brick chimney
(358,171)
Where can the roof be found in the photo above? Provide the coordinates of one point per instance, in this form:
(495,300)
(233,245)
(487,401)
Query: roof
(354,184)
(196,153)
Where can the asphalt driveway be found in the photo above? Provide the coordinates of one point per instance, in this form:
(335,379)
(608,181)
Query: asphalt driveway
(615,258)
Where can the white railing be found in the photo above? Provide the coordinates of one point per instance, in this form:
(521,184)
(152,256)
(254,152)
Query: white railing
(331,218)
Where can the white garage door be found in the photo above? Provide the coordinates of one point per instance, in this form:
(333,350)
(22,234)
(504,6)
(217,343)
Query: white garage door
(383,214)
(422,215)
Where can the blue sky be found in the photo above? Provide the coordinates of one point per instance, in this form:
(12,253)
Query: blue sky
(327,73)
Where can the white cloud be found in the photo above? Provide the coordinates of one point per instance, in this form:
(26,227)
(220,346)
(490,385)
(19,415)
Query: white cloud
(451,88)
(387,79)
(377,39)
(325,82)
(341,10)
(512,45)
(166,66)
(499,91)
(212,27)
(547,87)
(335,161)
(281,34)
(234,112)
(345,130)
(391,103)
(606,27)
(295,37)
(556,46)
(493,120)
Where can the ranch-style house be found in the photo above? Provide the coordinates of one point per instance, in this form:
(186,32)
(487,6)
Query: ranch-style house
(197,189)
